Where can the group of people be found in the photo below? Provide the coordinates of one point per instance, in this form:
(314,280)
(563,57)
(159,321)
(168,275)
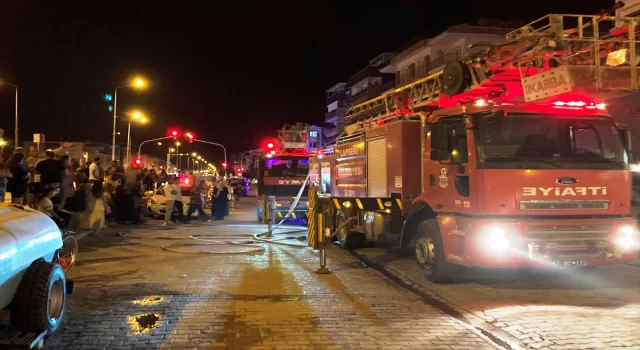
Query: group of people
(87,195)
(52,186)
(223,196)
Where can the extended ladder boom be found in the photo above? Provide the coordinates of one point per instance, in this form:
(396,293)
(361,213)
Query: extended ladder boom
(595,53)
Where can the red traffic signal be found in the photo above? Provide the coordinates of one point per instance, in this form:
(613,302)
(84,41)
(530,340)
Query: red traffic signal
(224,164)
(137,162)
(174,133)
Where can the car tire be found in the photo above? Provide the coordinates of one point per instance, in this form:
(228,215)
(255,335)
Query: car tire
(430,254)
(41,298)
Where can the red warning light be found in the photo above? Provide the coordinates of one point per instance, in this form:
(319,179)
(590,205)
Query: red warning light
(224,164)
(174,133)
(137,162)
(269,145)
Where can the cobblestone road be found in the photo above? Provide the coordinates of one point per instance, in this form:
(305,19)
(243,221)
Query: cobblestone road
(563,311)
(271,300)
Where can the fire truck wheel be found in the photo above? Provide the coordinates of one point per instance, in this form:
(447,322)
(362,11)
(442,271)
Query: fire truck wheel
(430,254)
(347,238)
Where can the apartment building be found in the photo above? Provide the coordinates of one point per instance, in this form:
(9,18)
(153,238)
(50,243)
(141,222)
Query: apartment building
(430,55)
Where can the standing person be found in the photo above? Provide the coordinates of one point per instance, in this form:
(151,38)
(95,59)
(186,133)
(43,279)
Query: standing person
(116,172)
(67,179)
(196,203)
(19,181)
(95,171)
(93,217)
(150,180)
(221,201)
(173,193)
(5,175)
(50,170)
(162,177)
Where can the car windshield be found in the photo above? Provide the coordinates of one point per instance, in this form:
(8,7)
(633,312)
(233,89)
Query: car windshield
(556,141)
(286,167)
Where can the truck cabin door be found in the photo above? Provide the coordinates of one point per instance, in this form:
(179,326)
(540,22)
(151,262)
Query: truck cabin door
(448,172)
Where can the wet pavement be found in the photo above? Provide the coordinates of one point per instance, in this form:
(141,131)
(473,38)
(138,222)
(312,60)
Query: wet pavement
(130,293)
(564,310)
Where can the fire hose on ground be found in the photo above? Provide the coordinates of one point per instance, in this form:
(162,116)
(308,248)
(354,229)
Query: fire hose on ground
(254,243)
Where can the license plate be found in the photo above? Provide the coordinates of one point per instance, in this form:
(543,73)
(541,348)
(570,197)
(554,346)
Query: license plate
(569,263)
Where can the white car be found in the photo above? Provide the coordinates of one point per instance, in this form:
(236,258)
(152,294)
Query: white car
(32,283)
(157,203)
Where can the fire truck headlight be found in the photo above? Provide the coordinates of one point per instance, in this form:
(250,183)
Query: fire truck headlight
(624,238)
(497,239)
(634,167)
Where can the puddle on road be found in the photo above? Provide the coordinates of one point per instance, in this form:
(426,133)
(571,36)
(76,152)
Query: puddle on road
(143,323)
(148,300)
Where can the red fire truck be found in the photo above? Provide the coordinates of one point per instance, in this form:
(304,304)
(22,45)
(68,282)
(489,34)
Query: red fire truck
(283,170)
(506,161)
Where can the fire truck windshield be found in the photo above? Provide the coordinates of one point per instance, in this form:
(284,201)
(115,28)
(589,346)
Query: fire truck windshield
(286,166)
(518,140)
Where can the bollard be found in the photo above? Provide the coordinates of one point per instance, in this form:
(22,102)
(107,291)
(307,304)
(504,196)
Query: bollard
(322,245)
(270,213)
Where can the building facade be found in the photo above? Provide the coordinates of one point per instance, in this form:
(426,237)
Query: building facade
(371,81)
(430,55)
(338,99)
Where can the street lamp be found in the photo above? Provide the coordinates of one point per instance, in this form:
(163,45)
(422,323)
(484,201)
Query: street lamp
(16,113)
(137,83)
(140,118)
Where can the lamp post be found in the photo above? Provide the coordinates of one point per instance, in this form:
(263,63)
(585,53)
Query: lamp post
(145,141)
(137,83)
(219,145)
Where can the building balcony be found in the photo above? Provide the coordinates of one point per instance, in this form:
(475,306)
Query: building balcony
(372,91)
(335,116)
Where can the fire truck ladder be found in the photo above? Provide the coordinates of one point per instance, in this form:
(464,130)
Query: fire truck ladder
(599,52)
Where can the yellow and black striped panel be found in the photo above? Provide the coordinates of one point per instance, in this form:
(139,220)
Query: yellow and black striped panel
(367,204)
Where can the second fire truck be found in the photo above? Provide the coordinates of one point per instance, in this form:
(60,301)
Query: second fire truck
(508,161)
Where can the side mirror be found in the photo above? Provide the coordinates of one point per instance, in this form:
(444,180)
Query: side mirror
(625,136)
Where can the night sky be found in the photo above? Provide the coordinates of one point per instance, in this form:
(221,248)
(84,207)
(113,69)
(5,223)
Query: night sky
(233,72)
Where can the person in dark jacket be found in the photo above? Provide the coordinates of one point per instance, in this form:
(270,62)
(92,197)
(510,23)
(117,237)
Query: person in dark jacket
(220,202)
(19,181)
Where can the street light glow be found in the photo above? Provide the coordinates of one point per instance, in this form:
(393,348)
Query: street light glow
(177,143)
(159,143)
(139,83)
(3,143)
(172,149)
(194,154)
(199,157)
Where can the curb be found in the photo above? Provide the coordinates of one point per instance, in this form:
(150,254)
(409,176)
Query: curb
(494,334)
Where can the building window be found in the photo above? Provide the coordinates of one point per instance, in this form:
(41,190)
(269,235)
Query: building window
(412,71)
(313,134)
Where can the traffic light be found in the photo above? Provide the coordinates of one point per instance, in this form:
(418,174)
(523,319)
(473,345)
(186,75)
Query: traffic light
(190,137)
(224,165)
(108,98)
(137,162)
(174,133)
